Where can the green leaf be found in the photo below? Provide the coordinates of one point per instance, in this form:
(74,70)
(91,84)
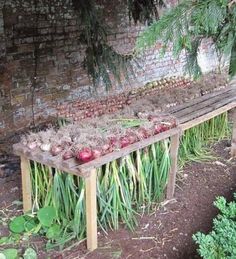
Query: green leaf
(17,225)
(53,232)
(30,225)
(30,254)
(232,65)
(10,253)
(5,240)
(46,216)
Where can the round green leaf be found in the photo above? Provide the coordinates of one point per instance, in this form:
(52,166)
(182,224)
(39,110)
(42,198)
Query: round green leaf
(17,225)
(10,253)
(46,216)
(30,254)
(53,232)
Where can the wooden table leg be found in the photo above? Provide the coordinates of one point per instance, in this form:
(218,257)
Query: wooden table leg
(91,210)
(26,184)
(233,145)
(174,146)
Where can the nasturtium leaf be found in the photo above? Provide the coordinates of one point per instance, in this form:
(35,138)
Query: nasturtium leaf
(10,253)
(53,232)
(17,225)
(46,216)
(30,254)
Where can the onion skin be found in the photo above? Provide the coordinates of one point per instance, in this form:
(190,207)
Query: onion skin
(85,155)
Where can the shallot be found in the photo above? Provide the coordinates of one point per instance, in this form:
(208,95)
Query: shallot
(56,150)
(32,145)
(45,147)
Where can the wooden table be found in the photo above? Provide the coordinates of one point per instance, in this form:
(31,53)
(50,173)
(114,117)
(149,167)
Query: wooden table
(189,115)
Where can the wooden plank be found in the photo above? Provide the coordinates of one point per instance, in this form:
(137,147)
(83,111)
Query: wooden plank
(233,145)
(174,147)
(203,104)
(127,150)
(206,110)
(26,184)
(91,210)
(206,117)
(199,99)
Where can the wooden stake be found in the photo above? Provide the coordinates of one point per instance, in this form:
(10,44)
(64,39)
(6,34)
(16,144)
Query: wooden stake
(26,184)
(174,146)
(91,210)
(233,146)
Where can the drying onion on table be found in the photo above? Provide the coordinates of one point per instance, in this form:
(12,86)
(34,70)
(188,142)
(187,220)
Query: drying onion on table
(56,150)
(96,153)
(45,147)
(85,155)
(32,145)
(67,155)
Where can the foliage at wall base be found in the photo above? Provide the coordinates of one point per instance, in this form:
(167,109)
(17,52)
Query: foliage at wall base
(221,241)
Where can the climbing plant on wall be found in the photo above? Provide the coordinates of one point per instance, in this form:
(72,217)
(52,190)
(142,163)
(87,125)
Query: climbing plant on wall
(144,10)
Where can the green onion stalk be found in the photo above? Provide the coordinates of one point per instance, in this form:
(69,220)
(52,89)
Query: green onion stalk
(195,142)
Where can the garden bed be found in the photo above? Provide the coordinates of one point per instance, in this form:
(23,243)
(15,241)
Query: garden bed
(170,229)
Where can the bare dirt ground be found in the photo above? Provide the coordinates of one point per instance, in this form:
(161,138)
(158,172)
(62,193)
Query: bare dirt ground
(167,232)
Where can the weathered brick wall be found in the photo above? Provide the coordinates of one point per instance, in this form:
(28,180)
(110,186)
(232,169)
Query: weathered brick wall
(51,28)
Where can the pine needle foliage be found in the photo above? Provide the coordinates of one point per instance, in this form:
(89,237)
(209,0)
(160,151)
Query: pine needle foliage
(144,10)
(101,60)
(186,25)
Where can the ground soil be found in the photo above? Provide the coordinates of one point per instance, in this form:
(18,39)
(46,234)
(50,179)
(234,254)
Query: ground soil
(167,232)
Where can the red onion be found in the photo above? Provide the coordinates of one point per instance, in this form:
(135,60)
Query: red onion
(85,155)
(56,150)
(124,141)
(96,153)
(158,129)
(67,155)
(143,133)
(113,141)
(132,137)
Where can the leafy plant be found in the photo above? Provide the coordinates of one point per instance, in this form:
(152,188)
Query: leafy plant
(17,225)
(30,254)
(187,24)
(221,241)
(9,253)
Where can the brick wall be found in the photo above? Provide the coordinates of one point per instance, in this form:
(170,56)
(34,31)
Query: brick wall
(52,29)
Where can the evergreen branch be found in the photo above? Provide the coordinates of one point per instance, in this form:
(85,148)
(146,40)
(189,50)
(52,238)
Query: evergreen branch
(190,20)
(101,60)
